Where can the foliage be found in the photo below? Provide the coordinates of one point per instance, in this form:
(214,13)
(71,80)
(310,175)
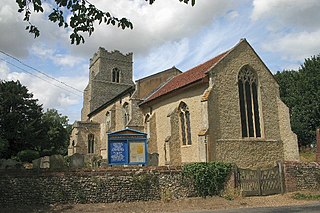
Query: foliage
(57,132)
(144,181)
(82,13)
(208,178)
(28,155)
(20,118)
(23,125)
(4,146)
(302,196)
(300,91)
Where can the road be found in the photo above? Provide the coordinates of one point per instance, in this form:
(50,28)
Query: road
(310,208)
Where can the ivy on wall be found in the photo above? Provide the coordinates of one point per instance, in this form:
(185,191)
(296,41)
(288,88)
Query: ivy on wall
(208,178)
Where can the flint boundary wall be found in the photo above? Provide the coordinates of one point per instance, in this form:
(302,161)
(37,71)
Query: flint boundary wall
(37,187)
(302,176)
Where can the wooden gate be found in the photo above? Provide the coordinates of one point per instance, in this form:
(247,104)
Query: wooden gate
(261,181)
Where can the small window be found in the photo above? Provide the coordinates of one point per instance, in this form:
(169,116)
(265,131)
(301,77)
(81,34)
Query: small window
(116,75)
(147,125)
(90,143)
(126,114)
(185,126)
(248,101)
(108,121)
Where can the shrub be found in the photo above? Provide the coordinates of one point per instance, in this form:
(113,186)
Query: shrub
(208,178)
(28,155)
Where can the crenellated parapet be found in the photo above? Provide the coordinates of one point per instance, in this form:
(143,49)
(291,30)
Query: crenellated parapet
(111,55)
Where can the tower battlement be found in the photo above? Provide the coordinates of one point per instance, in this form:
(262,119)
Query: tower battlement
(112,55)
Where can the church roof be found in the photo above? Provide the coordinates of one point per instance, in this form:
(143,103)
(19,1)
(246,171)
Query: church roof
(186,78)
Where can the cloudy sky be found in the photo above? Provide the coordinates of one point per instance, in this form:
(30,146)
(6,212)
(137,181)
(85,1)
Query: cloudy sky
(166,34)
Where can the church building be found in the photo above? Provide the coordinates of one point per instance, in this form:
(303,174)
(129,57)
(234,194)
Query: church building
(226,109)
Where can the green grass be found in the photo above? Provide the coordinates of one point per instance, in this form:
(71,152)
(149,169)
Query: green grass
(308,156)
(302,196)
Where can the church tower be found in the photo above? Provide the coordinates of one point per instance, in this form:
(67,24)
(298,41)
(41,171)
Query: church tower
(110,73)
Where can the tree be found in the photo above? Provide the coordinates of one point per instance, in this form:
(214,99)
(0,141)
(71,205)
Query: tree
(26,131)
(57,131)
(82,13)
(300,90)
(20,119)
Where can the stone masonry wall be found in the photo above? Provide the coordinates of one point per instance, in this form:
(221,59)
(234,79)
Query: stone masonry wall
(29,187)
(302,176)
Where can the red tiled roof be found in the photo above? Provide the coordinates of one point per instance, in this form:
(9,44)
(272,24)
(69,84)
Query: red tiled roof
(186,78)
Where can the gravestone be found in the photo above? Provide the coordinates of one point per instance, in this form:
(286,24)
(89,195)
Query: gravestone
(10,164)
(153,159)
(36,163)
(45,162)
(76,161)
(56,162)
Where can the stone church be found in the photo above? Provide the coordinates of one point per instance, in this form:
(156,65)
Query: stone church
(226,109)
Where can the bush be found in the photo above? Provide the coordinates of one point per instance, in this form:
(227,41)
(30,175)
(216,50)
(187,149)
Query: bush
(4,145)
(28,155)
(208,178)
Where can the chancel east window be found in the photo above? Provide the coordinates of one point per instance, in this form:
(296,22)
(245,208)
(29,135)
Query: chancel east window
(90,143)
(184,115)
(115,75)
(249,104)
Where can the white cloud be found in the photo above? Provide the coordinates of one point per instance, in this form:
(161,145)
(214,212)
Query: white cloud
(153,25)
(168,55)
(295,46)
(44,52)
(303,14)
(50,96)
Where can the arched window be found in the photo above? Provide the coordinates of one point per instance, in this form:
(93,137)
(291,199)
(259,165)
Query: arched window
(116,75)
(126,114)
(91,143)
(147,125)
(108,121)
(249,104)
(184,115)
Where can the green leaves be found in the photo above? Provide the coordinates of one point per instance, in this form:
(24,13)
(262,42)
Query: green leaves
(300,90)
(208,178)
(23,125)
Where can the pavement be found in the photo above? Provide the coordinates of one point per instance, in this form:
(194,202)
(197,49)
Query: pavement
(309,208)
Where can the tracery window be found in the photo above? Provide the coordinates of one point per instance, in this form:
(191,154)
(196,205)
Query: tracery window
(91,143)
(249,104)
(184,115)
(126,114)
(116,75)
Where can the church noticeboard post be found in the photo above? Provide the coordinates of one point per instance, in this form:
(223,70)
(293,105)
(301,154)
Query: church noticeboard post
(127,147)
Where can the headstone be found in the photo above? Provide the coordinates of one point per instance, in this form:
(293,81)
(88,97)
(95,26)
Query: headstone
(76,161)
(153,159)
(45,162)
(36,163)
(318,146)
(56,162)
(10,164)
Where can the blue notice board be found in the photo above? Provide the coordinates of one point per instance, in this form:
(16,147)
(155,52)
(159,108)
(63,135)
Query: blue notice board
(127,147)
(118,152)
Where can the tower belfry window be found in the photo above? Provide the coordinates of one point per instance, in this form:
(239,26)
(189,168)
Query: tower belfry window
(249,106)
(116,75)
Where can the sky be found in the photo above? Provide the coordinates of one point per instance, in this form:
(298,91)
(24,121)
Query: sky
(167,33)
